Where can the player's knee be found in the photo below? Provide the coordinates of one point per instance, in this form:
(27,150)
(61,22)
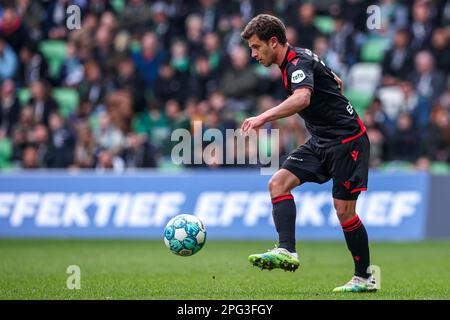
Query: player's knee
(344,212)
(277,187)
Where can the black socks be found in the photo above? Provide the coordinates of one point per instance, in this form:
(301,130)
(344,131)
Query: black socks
(284,214)
(358,244)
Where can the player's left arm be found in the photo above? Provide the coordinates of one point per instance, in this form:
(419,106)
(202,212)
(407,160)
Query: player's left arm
(298,101)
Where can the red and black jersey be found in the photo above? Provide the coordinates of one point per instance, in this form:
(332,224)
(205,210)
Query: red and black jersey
(330,117)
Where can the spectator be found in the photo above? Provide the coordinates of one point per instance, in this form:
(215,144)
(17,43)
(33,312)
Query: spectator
(8,61)
(398,60)
(62,143)
(240,82)
(32,67)
(72,70)
(437,142)
(103,52)
(136,15)
(162,25)
(194,34)
(98,6)
(55,22)
(12,29)
(30,158)
(138,153)
(329,56)
(149,58)
(92,87)
(40,140)
(343,40)
(169,85)
(404,144)
(119,105)
(33,15)
(180,59)
(175,120)
(9,108)
(421,27)
(84,151)
(233,37)
(119,65)
(305,25)
(427,81)
(377,139)
(109,138)
(107,161)
(210,14)
(440,48)
(128,79)
(42,103)
(153,124)
(204,80)
(23,133)
(211,45)
(292,36)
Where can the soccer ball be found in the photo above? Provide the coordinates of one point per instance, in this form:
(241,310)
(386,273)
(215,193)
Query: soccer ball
(185,235)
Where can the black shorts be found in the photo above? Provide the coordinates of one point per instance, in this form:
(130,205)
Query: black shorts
(347,164)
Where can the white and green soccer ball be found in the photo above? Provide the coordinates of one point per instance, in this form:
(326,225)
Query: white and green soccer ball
(185,235)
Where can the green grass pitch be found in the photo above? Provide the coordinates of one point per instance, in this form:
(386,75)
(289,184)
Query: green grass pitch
(139,269)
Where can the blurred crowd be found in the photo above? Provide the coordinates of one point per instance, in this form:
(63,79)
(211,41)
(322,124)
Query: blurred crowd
(142,69)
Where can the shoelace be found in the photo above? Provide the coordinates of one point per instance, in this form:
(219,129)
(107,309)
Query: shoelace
(354,280)
(278,250)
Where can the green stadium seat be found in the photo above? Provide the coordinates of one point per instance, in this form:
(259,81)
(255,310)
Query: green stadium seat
(5,153)
(325,24)
(118,5)
(67,99)
(240,116)
(397,166)
(440,168)
(167,165)
(54,51)
(374,49)
(24,96)
(360,100)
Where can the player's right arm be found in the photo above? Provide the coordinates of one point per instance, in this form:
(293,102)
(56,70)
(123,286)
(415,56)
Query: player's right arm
(298,101)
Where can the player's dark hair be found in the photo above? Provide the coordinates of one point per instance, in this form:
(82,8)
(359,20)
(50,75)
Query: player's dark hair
(265,27)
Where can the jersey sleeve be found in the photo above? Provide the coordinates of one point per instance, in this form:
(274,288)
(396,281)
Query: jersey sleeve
(300,74)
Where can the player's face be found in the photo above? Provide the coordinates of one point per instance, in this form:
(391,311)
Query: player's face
(262,51)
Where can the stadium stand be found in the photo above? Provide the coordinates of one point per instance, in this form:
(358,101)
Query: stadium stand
(115,70)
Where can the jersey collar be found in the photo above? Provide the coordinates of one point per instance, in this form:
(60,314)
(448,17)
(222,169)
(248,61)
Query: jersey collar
(288,57)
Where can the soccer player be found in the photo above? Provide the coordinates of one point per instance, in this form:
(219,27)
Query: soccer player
(338,148)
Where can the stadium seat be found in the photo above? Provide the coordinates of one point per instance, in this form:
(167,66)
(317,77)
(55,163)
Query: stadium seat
(5,153)
(397,166)
(391,99)
(24,96)
(54,51)
(440,168)
(67,100)
(360,100)
(118,5)
(364,77)
(325,24)
(167,165)
(374,49)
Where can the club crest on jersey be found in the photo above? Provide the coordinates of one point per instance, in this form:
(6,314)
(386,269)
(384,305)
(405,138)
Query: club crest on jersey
(298,76)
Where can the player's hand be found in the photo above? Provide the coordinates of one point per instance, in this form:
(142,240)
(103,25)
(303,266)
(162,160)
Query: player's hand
(251,123)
